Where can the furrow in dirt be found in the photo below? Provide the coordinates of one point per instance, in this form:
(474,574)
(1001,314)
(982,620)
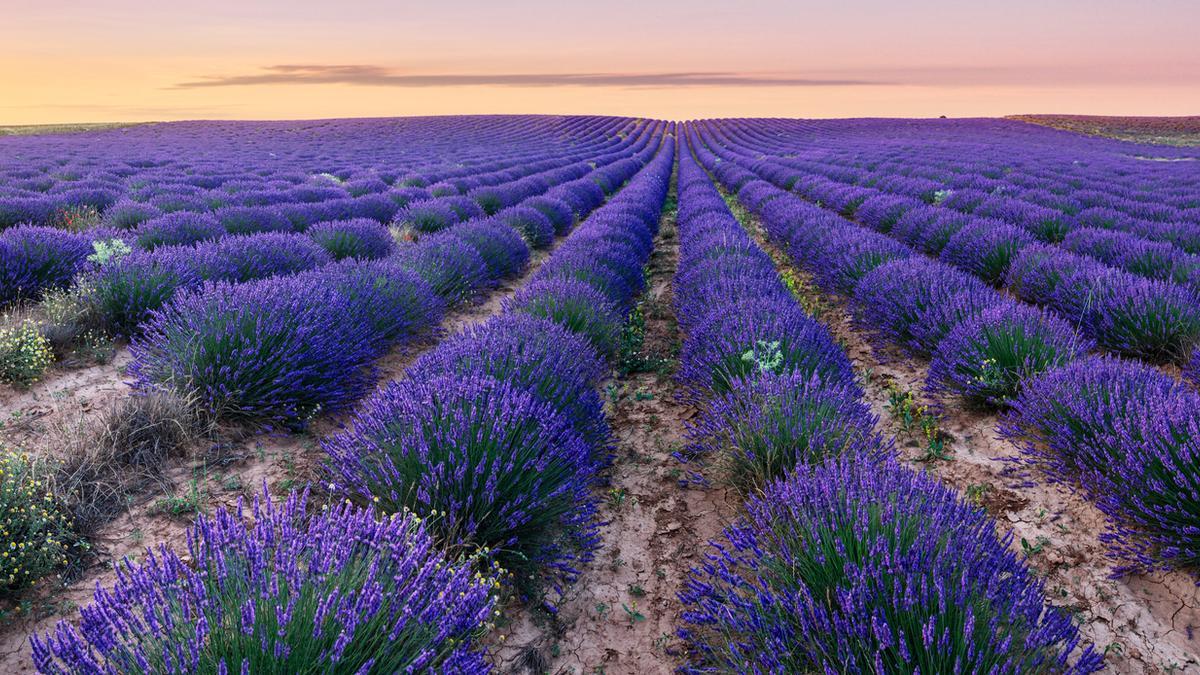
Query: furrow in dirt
(622,615)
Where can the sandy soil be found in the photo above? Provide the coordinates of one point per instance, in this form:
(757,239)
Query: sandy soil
(1147,623)
(27,414)
(216,477)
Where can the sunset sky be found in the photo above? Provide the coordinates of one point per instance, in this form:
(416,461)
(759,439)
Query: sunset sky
(130,60)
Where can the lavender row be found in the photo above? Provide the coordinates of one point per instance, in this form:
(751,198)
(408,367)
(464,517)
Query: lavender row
(983,343)
(830,513)
(41,258)
(501,429)
(777,389)
(280,590)
(881,198)
(1152,319)
(1002,167)
(283,349)
(485,454)
(56,180)
(996,352)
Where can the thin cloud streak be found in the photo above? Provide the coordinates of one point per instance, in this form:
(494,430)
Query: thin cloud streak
(379,76)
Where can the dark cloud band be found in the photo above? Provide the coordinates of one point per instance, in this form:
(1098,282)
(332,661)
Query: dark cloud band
(378,76)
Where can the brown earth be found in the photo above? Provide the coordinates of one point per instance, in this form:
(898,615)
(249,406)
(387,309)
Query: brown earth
(1177,131)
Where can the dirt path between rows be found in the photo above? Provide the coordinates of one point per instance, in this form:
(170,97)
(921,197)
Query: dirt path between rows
(622,615)
(281,462)
(1145,623)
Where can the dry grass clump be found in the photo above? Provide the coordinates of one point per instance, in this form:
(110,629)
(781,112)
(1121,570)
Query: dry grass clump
(110,457)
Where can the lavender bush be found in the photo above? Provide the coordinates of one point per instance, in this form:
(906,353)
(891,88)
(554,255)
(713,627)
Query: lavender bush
(987,359)
(535,354)
(1129,436)
(985,248)
(35,259)
(179,228)
(575,305)
(855,566)
(768,425)
(272,351)
(738,341)
(486,462)
(283,592)
(360,238)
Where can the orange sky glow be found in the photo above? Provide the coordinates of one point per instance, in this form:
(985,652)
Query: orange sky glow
(134,60)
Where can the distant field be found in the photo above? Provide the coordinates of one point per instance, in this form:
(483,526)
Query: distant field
(1178,131)
(34,129)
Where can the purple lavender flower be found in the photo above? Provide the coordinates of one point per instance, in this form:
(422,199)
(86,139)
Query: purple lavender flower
(340,590)
(360,238)
(485,462)
(858,566)
(34,259)
(426,216)
(989,358)
(1129,436)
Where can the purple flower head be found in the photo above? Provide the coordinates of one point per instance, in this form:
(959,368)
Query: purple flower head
(574,304)
(851,565)
(339,590)
(485,462)
(360,238)
(989,358)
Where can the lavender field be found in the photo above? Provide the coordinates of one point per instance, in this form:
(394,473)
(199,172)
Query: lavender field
(589,394)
